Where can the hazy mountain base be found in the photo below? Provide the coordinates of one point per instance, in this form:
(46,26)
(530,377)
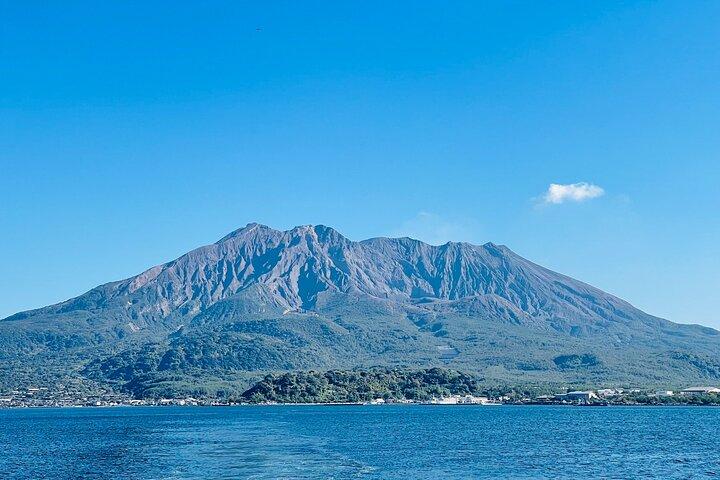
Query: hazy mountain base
(222,351)
(262,301)
(224,357)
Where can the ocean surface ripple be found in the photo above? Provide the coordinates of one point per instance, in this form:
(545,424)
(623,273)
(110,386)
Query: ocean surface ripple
(363,442)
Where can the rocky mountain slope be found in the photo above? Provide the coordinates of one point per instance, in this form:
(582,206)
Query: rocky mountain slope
(263,300)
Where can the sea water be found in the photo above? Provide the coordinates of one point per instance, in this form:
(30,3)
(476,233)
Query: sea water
(363,442)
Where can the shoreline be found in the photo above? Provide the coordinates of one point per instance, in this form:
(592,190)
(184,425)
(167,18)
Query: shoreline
(346,404)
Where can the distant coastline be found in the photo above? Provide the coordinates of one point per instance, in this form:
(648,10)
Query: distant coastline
(409,405)
(378,386)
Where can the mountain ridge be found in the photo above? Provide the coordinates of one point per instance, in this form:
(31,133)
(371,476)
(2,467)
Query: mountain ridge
(261,299)
(253,233)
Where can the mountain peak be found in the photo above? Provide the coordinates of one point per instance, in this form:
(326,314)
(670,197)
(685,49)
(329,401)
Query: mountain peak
(246,230)
(321,233)
(294,266)
(254,229)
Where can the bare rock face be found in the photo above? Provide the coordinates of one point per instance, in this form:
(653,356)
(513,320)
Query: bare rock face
(295,266)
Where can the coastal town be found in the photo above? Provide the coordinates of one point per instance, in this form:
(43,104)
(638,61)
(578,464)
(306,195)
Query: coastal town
(74,397)
(608,396)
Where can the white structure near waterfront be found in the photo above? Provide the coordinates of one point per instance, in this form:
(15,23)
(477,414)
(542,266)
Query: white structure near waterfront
(461,400)
(699,390)
(664,393)
(577,396)
(609,392)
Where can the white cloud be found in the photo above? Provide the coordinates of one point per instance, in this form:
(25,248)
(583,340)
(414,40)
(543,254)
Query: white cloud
(433,229)
(573,192)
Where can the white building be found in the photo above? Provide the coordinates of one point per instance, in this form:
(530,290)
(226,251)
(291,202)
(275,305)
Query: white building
(463,400)
(664,393)
(609,392)
(577,396)
(472,400)
(445,400)
(699,390)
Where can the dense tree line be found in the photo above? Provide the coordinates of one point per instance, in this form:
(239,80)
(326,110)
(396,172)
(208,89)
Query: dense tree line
(360,386)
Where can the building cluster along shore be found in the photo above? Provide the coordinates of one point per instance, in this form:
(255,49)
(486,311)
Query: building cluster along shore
(44,397)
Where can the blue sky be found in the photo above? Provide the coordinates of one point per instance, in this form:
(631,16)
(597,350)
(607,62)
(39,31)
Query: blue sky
(130,134)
